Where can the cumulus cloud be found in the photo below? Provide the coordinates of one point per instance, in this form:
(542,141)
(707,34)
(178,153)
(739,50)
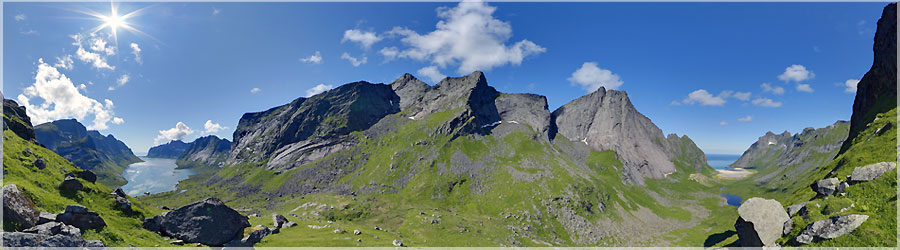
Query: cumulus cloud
(796,73)
(318,89)
(93,58)
(177,133)
(255,90)
(314,58)
(778,90)
(743,96)
(804,88)
(215,12)
(20,17)
(353,60)
(850,85)
(364,38)
(389,53)
(745,119)
(467,35)
(97,44)
(766,102)
(61,99)
(590,78)
(432,73)
(64,62)
(136,51)
(211,128)
(704,98)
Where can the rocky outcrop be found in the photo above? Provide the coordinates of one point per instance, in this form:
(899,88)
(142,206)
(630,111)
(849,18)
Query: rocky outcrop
(830,228)
(527,109)
(761,222)
(209,222)
(16,119)
(800,149)
(87,149)
(872,171)
(827,187)
(29,240)
(171,150)
(797,208)
(278,220)
(205,151)
(877,90)
(18,209)
(81,217)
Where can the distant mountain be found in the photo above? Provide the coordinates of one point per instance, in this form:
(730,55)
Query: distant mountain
(172,150)
(15,119)
(88,149)
(205,151)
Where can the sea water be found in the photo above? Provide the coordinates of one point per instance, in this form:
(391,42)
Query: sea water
(154,175)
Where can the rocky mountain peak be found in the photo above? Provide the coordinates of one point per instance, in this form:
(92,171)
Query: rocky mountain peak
(16,119)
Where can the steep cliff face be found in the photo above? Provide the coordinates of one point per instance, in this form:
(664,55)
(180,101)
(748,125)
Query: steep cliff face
(15,119)
(468,98)
(877,90)
(606,120)
(88,149)
(172,150)
(205,151)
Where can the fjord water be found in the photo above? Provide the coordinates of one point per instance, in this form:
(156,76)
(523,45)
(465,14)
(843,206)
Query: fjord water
(721,161)
(154,175)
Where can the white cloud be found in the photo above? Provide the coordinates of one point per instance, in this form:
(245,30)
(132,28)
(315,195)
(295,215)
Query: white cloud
(390,53)
(20,17)
(177,133)
(796,73)
(61,100)
(704,98)
(590,78)
(467,35)
(318,89)
(353,60)
(723,123)
(743,96)
(119,82)
(364,38)
(432,73)
(255,90)
(215,11)
(804,87)
(64,62)
(745,119)
(314,59)
(93,58)
(97,44)
(778,90)
(851,85)
(136,51)
(211,128)
(766,102)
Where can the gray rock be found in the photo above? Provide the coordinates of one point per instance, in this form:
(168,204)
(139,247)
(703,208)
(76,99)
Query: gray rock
(46,217)
(872,171)
(831,228)
(209,222)
(32,240)
(39,163)
(289,224)
(70,183)
(19,239)
(788,226)
(18,208)
(62,241)
(761,222)
(827,187)
(54,228)
(205,151)
(793,209)
(153,224)
(81,217)
(527,109)
(94,244)
(123,204)
(256,236)
(397,243)
(356,232)
(120,193)
(87,175)
(842,187)
(278,220)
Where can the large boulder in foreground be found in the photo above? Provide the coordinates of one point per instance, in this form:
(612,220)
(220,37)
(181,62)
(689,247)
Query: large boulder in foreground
(81,217)
(209,222)
(761,222)
(872,171)
(830,228)
(18,208)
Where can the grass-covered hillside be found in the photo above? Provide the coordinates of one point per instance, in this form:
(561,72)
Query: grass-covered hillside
(41,185)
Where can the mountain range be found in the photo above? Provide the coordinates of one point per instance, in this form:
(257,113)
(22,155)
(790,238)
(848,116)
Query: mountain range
(203,151)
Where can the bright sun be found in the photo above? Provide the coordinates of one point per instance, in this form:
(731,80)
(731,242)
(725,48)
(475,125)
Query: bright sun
(114,21)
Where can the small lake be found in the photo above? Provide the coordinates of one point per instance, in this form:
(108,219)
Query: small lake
(154,175)
(721,161)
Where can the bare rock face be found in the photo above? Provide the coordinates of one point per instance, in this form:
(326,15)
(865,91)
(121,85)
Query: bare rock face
(788,149)
(761,222)
(16,119)
(528,109)
(872,171)
(209,222)
(205,151)
(18,208)
(830,228)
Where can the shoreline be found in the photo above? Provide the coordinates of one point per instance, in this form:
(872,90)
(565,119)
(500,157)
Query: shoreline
(734,173)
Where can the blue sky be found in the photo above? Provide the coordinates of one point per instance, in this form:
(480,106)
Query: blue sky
(693,68)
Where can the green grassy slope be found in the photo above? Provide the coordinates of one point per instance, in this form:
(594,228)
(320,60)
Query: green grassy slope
(41,186)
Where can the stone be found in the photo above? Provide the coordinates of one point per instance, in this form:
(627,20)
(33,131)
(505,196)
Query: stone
(120,193)
(209,222)
(177,242)
(18,208)
(793,209)
(278,220)
(356,232)
(94,244)
(761,222)
(872,171)
(256,236)
(788,226)
(826,187)
(339,231)
(33,240)
(39,163)
(153,224)
(87,175)
(397,243)
(81,217)
(831,228)
(54,228)
(842,187)
(70,183)
(46,217)
(123,204)
(289,224)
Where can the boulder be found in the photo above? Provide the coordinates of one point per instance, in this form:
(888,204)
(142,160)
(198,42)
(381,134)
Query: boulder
(209,222)
(31,240)
(153,224)
(46,217)
(70,183)
(120,193)
(842,187)
(397,243)
(54,228)
(826,187)
(39,163)
(81,217)
(356,232)
(256,236)
(123,204)
(872,171)
(289,224)
(87,175)
(830,228)
(18,208)
(793,209)
(278,220)
(761,222)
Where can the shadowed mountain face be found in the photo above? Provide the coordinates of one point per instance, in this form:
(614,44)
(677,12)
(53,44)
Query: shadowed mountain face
(15,119)
(205,151)
(172,150)
(88,149)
